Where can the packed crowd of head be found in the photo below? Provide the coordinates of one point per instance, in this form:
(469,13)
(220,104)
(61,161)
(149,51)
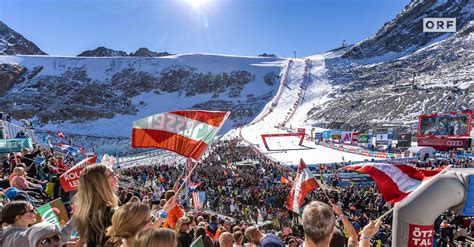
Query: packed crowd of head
(150,205)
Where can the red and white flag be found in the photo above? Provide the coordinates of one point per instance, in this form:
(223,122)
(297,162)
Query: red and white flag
(60,134)
(395,182)
(198,199)
(187,133)
(302,185)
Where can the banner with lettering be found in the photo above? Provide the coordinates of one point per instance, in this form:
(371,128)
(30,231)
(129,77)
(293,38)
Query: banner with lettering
(420,236)
(53,212)
(187,133)
(69,180)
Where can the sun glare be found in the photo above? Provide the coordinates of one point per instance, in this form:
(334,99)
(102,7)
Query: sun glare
(197,3)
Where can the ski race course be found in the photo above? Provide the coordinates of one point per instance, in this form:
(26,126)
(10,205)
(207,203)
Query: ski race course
(302,83)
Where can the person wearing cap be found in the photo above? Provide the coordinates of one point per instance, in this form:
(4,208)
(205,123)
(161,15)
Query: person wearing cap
(44,234)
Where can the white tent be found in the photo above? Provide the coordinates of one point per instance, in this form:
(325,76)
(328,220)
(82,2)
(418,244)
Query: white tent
(422,151)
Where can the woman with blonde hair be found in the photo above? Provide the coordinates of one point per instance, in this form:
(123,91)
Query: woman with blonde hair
(182,232)
(130,218)
(126,222)
(156,238)
(95,203)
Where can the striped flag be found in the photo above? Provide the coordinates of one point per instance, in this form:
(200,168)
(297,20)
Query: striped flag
(394,181)
(302,185)
(189,164)
(192,186)
(198,199)
(60,134)
(187,133)
(68,149)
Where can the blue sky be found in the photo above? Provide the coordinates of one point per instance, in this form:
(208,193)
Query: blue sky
(237,27)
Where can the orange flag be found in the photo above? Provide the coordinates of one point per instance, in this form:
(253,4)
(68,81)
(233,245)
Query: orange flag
(284,180)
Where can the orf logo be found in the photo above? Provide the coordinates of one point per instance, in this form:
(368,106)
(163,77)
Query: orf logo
(455,143)
(439,25)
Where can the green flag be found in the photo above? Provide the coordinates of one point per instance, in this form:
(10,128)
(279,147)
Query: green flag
(46,213)
(53,212)
(198,242)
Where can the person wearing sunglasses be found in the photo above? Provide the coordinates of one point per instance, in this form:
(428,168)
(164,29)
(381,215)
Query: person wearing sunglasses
(44,234)
(18,215)
(182,229)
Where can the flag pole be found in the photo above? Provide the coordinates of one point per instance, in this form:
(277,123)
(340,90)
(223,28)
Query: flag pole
(187,177)
(329,200)
(385,214)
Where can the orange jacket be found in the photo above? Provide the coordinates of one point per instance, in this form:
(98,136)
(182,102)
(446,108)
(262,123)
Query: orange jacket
(173,217)
(213,236)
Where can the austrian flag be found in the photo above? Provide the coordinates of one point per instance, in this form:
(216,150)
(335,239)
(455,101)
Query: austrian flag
(187,133)
(303,184)
(394,181)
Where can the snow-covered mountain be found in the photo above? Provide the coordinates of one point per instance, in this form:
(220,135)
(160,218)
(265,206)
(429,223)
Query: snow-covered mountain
(437,78)
(89,95)
(332,90)
(106,52)
(404,34)
(145,52)
(13,43)
(102,52)
(387,79)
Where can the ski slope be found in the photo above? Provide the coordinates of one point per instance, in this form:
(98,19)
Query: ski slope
(303,87)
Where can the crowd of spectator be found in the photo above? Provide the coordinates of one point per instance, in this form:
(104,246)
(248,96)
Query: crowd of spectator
(151,205)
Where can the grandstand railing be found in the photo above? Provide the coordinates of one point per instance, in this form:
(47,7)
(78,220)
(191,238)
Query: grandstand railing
(9,130)
(139,156)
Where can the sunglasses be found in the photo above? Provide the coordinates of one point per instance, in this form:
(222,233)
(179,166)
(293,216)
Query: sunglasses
(49,241)
(30,211)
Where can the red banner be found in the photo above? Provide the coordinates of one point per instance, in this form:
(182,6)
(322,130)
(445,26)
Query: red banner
(420,236)
(69,180)
(355,136)
(381,155)
(264,137)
